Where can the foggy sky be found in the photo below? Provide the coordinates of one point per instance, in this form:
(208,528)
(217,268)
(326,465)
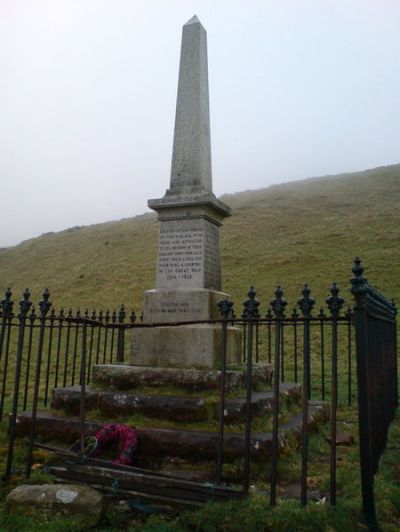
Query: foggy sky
(298,88)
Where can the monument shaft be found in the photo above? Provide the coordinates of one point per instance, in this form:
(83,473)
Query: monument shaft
(191,156)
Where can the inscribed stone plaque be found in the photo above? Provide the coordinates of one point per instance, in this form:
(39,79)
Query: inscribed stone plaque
(188,255)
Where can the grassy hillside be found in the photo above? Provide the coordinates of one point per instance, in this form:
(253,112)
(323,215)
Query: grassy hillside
(288,234)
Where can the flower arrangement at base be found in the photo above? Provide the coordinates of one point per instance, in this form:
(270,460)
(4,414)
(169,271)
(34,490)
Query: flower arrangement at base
(125,438)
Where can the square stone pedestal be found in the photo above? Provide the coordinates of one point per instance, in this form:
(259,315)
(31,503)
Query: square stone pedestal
(183,346)
(187,346)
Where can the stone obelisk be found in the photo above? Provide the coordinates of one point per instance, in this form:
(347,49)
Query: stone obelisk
(188,284)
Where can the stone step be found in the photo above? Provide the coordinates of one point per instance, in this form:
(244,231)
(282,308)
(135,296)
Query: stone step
(175,408)
(186,444)
(127,377)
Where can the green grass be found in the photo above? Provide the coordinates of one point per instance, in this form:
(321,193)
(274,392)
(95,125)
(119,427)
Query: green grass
(306,231)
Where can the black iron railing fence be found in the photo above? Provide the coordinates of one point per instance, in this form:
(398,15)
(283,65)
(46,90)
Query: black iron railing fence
(45,349)
(376,345)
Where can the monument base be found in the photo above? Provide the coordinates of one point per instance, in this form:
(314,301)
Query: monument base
(187,346)
(183,346)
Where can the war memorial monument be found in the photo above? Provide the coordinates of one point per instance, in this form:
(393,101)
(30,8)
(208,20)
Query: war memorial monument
(188,284)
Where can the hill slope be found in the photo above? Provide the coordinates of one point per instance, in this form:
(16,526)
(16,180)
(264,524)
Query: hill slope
(306,231)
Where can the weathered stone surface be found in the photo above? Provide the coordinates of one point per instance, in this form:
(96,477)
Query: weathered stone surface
(163,306)
(50,500)
(191,445)
(317,413)
(189,346)
(188,254)
(261,403)
(162,407)
(262,374)
(126,377)
(191,157)
(178,408)
(293,491)
(54,427)
(116,403)
(69,399)
(343,438)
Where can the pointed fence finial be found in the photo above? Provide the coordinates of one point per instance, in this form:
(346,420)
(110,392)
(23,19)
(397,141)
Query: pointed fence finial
(45,304)
(251,305)
(7,304)
(25,304)
(226,308)
(359,283)
(278,304)
(335,302)
(121,314)
(306,303)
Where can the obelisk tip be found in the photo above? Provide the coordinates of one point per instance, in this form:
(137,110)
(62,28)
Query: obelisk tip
(193,20)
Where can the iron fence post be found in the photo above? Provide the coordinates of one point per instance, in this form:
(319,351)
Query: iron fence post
(83,387)
(250,315)
(44,306)
(278,307)
(52,318)
(226,309)
(7,310)
(121,335)
(359,291)
(24,305)
(306,304)
(335,303)
(295,317)
(349,318)
(395,350)
(321,317)
(32,319)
